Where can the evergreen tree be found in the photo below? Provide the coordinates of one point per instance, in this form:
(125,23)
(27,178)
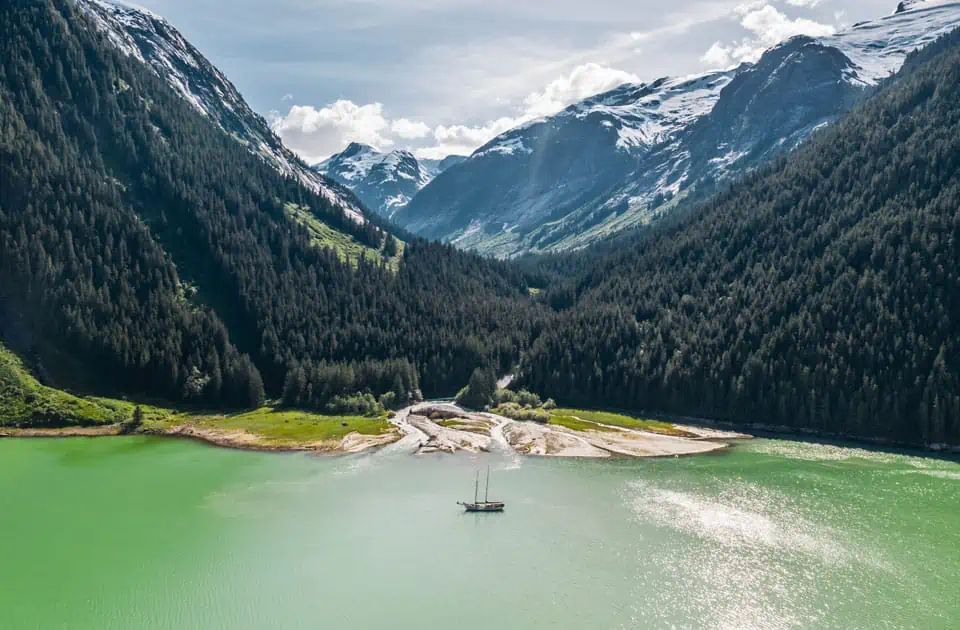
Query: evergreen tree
(140,241)
(480,391)
(821,293)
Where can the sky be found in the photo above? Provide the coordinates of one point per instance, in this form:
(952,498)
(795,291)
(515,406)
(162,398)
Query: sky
(442,77)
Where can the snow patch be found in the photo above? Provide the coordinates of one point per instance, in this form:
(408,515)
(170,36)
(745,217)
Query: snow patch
(151,40)
(508,146)
(879,48)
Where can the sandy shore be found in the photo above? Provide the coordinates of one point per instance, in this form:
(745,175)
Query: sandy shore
(98,431)
(430,427)
(235,438)
(228,438)
(445,427)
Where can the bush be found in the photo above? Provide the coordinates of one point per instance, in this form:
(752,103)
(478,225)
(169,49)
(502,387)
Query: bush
(359,404)
(528,399)
(523,398)
(319,385)
(389,400)
(514,411)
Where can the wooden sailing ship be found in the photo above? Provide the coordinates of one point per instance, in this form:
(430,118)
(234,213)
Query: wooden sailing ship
(482,506)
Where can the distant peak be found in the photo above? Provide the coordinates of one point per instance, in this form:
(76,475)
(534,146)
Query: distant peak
(356,148)
(907,5)
(403,154)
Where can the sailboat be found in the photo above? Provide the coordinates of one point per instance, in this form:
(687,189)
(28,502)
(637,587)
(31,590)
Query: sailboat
(482,506)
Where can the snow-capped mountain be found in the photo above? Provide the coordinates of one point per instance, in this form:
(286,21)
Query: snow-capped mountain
(155,42)
(351,165)
(435,167)
(625,157)
(385,182)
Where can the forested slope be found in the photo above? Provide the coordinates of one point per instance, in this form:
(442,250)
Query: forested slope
(146,250)
(820,294)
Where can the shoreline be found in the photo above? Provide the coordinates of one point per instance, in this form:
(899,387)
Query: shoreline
(474,432)
(352,443)
(103,430)
(238,440)
(799,434)
(442,426)
(449,429)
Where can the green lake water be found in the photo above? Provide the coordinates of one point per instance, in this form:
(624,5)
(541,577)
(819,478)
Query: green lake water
(150,533)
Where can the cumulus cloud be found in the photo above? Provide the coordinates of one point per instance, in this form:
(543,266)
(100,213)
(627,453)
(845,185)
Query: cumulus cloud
(410,129)
(771,26)
(318,133)
(767,26)
(583,81)
(464,139)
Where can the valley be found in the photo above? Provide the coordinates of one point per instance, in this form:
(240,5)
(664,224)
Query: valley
(185,265)
(622,160)
(702,331)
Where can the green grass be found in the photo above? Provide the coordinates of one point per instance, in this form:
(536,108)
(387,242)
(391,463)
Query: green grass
(280,427)
(349,249)
(24,402)
(586,420)
(575,423)
(525,414)
(463,425)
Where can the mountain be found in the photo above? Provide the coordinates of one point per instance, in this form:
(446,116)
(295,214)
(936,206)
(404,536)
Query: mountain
(351,165)
(629,156)
(435,167)
(821,293)
(146,252)
(384,182)
(152,40)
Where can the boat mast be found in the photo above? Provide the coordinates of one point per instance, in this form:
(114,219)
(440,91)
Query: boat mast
(476,487)
(486,492)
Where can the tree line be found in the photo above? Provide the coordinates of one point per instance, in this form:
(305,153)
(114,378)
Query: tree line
(821,293)
(142,243)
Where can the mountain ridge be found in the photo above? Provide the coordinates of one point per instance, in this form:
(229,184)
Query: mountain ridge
(153,41)
(384,181)
(625,158)
(145,252)
(818,294)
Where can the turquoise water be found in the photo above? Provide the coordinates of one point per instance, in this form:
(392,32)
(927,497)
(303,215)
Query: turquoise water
(151,533)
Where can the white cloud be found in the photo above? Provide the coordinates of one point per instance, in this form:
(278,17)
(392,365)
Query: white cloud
(287,97)
(718,56)
(464,139)
(770,26)
(585,80)
(767,26)
(410,129)
(318,133)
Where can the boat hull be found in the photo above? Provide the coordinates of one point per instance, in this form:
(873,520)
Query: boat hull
(487,506)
